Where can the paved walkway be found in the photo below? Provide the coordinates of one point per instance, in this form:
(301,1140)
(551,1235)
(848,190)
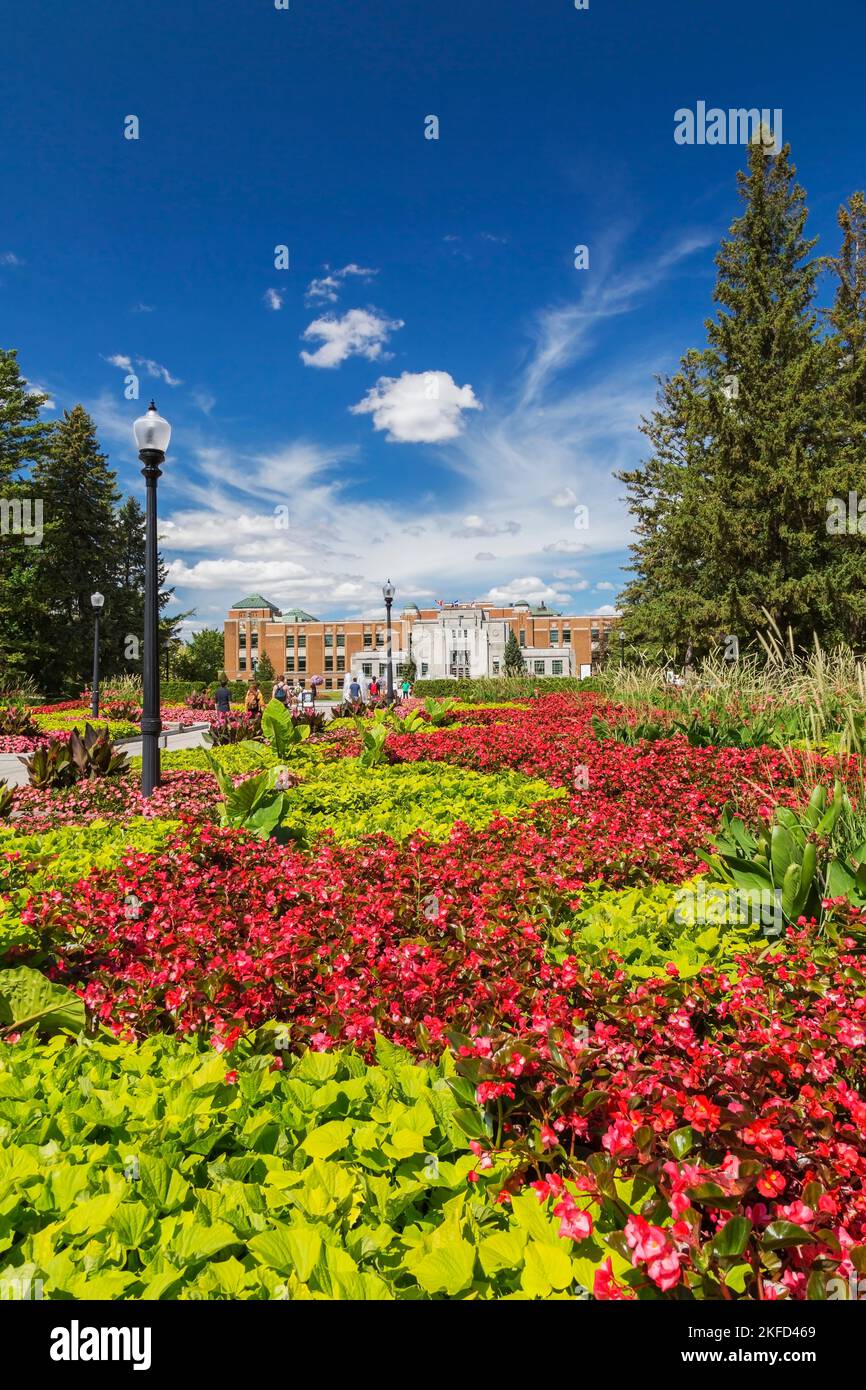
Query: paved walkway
(13,771)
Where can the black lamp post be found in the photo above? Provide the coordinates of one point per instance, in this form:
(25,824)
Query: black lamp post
(621,646)
(97,600)
(152,434)
(388,592)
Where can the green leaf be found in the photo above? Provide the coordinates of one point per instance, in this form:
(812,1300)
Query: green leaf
(733,1238)
(785,1233)
(28,999)
(546,1267)
(681,1141)
(328,1138)
(447,1270)
(288,1249)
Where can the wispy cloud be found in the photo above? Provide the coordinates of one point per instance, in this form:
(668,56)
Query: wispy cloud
(326,288)
(273,299)
(153,369)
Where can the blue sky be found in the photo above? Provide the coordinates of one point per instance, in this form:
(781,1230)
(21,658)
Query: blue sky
(431,387)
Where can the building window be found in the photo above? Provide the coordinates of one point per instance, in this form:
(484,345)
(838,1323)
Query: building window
(424,668)
(496,668)
(341,639)
(329,684)
(566,636)
(554,636)
(290,662)
(594,634)
(523,637)
(341,663)
(367,668)
(368,640)
(302,663)
(290,641)
(556,668)
(380,639)
(329,662)
(242,663)
(539,667)
(302,641)
(329,639)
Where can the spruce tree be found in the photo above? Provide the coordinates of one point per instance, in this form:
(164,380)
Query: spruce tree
(846,480)
(78,554)
(512,659)
(24,438)
(730,506)
(265,673)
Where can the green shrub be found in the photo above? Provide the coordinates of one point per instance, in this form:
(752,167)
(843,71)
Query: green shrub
(498,688)
(220,1177)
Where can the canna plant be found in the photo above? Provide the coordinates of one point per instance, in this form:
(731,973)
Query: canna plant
(259,804)
(282,730)
(19,722)
(440,712)
(373,735)
(803,858)
(62,762)
(7,797)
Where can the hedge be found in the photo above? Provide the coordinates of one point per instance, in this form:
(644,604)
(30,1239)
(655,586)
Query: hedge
(497,688)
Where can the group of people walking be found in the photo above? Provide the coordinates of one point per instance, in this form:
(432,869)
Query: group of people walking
(299,698)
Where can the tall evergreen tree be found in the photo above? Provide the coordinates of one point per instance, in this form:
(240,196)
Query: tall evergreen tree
(124,614)
(24,439)
(846,574)
(78,554)
(730,506)
(512,658)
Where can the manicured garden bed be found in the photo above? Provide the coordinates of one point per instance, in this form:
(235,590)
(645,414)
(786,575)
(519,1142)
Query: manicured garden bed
(419,1013)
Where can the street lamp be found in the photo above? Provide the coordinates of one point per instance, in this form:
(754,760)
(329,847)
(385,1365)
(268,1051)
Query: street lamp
(97,600)
(388,592)
(152,434)
(621,646)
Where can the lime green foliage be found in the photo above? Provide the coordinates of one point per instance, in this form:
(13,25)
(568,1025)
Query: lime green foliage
(805,858)
(66,720)
(354,801)
(219,1177)
(658,924)
(234,758)
(62,856)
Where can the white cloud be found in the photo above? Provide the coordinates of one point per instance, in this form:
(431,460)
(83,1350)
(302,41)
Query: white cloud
(9,258)
(273,299)
(564,548)
(479,526)
(327,287)
(142,309)
(154,369)
(530,587)
(418,407)
(566,497)
(605,584)
(359,333)
(204,400)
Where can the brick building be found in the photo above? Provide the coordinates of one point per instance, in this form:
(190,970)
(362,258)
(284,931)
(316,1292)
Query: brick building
(460,639)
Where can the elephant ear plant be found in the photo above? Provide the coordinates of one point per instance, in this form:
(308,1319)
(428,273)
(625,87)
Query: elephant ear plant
(802,859)
(281,730)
